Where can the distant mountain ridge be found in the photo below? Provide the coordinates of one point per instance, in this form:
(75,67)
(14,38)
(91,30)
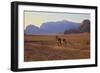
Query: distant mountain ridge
(59,26)
(51,27)
(32,29)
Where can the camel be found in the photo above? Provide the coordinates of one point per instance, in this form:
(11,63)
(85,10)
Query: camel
(60,41)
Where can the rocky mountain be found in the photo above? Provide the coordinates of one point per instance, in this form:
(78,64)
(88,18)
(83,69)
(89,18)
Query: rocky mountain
(59,26)
(32,29)
(51,27)
(84,27)
(64,26)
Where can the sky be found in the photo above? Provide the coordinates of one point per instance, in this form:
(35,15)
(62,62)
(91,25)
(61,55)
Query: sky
(37,18)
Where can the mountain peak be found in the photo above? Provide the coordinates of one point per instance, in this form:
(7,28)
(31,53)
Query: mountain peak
(52,27)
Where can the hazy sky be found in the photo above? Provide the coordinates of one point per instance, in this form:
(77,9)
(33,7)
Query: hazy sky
(37,18)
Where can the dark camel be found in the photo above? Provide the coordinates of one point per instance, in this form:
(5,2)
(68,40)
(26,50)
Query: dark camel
(60,41)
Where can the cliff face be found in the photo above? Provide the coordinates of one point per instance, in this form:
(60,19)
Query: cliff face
(84,27)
